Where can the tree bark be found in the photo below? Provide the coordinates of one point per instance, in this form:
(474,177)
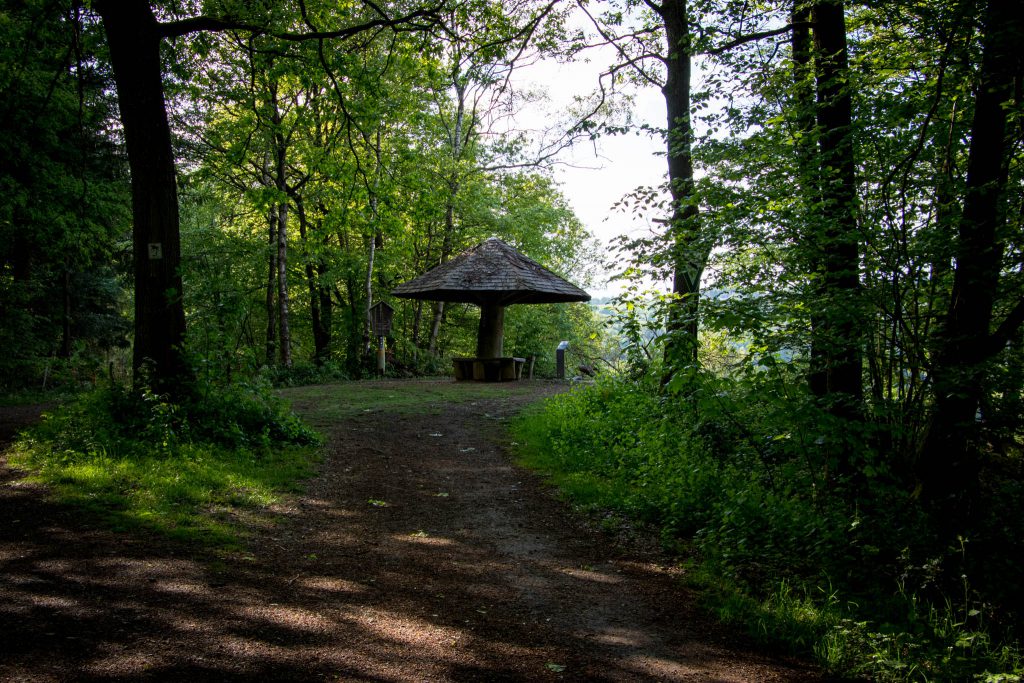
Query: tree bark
(690,249)
(457,145)
(372,239)
(416,318)
(134,42)
(313,267)
(281,184)
(435,327)
(356,322)
(270,355)
(806,156)
(966,341)
(446,252)
(283,326)
(803,88)
(326,329)
(837,335)
(371,256)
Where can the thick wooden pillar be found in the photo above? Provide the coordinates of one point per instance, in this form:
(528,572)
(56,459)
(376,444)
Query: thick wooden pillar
(492,330)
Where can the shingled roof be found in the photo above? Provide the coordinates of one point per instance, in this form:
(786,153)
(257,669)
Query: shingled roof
(491,273)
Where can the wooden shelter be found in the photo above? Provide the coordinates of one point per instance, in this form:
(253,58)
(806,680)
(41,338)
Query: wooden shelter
(491,275)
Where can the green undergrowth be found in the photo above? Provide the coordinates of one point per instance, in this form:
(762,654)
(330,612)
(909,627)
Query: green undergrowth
(857,585)
(190,470)
(301,374)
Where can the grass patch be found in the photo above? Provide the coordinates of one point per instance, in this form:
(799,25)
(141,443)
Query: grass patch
(581,484)
(189,471)
(326,404)
(192,496)
(787,619)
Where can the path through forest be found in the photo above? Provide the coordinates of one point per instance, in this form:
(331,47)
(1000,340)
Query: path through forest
(418,553)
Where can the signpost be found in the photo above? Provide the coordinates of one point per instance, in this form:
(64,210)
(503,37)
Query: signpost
(560,360)
(380,320)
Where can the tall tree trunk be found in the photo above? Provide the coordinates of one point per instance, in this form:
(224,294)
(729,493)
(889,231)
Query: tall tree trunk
(966,341)
(326,303)
(807,157)
(313,268)
(803,88)
(134,41)
(435,327)
(270,356)
(326,310)
(837,339)
(356,319)
(690,249)
(457,135)
(281,183)
(371,254)
(374,237)
(446,251)
(284,329)
(417,317)
(271,299)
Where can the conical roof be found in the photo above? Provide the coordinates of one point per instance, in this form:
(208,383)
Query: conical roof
(491,273)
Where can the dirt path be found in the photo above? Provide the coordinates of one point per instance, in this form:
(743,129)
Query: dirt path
(419,553)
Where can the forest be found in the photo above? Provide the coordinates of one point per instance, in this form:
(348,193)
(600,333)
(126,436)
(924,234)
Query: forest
(810,381)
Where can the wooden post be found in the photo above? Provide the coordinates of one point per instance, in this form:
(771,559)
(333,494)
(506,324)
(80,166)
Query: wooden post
(489,342)
(381,357)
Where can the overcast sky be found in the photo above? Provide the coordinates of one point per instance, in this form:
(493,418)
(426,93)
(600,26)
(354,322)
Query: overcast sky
(595,176)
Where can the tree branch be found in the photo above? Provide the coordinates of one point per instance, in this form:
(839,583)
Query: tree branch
(1011,323)
(174,29)
(752,37)
(657,8)
(632,61)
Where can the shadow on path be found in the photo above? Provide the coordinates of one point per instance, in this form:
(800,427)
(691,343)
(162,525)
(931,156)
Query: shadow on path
(418,553)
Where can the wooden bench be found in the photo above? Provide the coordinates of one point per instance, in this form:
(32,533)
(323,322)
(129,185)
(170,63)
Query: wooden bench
(489,369)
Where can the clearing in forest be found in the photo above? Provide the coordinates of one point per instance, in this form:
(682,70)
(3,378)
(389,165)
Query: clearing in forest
(418,552)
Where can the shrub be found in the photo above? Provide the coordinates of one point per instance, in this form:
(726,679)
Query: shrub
(302,374)
(737,471)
